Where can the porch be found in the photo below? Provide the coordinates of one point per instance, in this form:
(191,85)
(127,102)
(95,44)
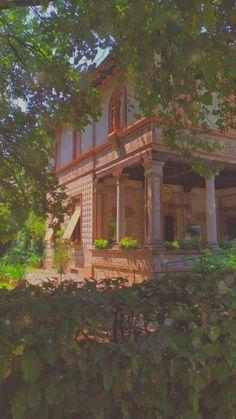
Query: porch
(157,201)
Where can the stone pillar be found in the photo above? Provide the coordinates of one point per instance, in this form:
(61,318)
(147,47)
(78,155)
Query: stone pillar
(120,206)
(153,201)
(98,211)
(99,216)
(211,211)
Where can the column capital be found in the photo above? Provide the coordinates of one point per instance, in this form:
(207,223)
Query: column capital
(122,178)
(210,178)
(117,171)
(153,167)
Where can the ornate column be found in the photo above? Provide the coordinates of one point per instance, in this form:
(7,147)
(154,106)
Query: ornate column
(153,201)
(120,206)
(211,210)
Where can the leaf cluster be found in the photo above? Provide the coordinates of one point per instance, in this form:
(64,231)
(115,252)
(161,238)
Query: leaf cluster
(159,349)
(180,56)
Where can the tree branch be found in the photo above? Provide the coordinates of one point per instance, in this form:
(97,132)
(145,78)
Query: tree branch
(12,4)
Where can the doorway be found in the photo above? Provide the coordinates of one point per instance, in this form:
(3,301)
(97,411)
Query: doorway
(169,231)
(231,228)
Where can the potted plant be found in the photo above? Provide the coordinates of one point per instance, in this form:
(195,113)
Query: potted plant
(128,243)
(101,244)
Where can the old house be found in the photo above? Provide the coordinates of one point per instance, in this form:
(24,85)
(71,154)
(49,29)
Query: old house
(126,182)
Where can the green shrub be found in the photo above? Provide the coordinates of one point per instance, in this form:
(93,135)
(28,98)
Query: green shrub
(216,262)
(28,248)
(128,243)
(11,272)
(61,253)
(112,227)
(171,245)
(101,244)
(193,243)
(161,349)
(227,244)
(34,261)
(6,286)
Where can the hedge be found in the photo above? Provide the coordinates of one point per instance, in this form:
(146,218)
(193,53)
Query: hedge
(162,349)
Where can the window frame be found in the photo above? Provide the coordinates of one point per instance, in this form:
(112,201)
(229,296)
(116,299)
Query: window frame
(78,203)
(76,145)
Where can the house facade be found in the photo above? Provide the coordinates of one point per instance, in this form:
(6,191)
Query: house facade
(126,182)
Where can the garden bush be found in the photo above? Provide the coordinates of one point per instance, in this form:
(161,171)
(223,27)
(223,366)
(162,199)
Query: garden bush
(161,349)
(224,261)
(61,254)
(28,248)
(11,272)
(227,244)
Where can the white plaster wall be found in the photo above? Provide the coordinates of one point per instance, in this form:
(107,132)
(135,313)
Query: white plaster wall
(87,139)
(66,146)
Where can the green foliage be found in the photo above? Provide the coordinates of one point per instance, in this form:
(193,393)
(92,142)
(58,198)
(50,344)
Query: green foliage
(181,54)
(217,262)
(8,224)
(7,286)
(128,243)
(11,272)
(112,227)
(29,246)
(101,244)
(192,243)
(227,244)
(159,349)
(61,253)
(172,245)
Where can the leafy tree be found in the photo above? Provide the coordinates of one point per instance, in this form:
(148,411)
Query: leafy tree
(181,56)
(28,247)
(7,224)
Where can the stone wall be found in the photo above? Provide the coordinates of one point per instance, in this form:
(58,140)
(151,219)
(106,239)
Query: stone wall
(81,256)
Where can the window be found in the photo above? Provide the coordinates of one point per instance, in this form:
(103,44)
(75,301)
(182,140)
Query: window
(68,146)
(76,144)
(118,110)
(169,234)
(76,236)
